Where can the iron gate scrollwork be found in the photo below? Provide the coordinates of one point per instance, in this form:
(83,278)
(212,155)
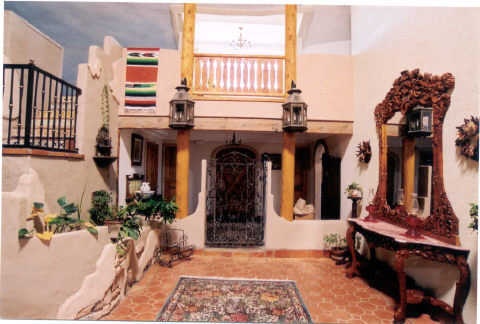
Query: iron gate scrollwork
(235,200)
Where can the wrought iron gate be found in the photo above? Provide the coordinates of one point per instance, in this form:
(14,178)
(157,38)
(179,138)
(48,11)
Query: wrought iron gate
(235,200)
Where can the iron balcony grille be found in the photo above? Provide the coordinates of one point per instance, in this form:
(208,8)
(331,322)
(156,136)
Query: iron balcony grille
(39,109)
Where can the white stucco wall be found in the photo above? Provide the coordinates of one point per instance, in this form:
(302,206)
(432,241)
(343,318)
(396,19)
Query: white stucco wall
(301,234)
(23,42)
(386,41)
(36,277)
(73,177)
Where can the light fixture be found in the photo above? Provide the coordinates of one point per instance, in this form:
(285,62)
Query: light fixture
(181,108)
(294,111)
(241,42)
(419,121)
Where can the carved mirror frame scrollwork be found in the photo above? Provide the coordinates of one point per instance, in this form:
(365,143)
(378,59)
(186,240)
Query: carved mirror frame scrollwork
(409,90)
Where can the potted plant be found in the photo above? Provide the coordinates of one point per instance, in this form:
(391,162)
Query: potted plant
(354,190)
(336,246)
(101,210)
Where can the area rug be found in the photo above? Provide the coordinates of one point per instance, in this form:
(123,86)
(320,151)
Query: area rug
(234,300)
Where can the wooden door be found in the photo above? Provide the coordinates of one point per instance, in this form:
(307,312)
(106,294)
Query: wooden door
(331,187)
(169,170)
(151,165)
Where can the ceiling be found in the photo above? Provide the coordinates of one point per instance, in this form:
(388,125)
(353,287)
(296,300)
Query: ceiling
(78,25)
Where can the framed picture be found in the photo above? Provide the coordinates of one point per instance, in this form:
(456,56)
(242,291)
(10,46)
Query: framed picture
(137,149)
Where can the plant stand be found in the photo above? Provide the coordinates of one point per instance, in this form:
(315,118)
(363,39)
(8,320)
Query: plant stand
(175,248)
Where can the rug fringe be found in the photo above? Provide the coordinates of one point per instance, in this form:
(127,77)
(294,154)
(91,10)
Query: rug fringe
(236,278)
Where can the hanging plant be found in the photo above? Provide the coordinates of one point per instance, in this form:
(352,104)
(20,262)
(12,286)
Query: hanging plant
(104,142)
(467,138)
(364,151)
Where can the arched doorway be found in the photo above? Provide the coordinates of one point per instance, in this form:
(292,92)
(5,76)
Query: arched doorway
(235,204)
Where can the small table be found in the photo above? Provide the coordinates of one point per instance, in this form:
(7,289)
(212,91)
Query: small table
(391,237)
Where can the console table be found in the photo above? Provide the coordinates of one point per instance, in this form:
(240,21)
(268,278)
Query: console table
(391,237)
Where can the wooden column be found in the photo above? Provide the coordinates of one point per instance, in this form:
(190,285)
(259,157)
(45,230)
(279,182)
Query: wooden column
(188,35)
(408,147)
(288,152)
(290,44)
(183,135)
(183,164)
(288,175)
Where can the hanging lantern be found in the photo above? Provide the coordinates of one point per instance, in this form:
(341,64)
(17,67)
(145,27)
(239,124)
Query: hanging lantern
(294,111)
(419,121)
(181,108)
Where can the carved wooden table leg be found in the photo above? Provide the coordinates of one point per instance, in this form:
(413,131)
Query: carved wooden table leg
(353,270)
(373,256)
(461,291)
(400,313)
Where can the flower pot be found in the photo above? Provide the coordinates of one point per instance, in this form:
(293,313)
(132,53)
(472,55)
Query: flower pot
(113,227)
(354,193)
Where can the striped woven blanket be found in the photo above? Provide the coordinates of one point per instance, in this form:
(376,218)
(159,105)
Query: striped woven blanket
(141,78)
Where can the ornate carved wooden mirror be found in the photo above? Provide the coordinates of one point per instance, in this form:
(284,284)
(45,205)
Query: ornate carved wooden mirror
(410,90)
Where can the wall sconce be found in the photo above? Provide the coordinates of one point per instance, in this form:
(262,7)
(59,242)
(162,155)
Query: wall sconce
(181,108)
(294,111)
(419,121)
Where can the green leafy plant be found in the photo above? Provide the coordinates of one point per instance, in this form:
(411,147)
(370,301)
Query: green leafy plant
(63,222)
(168,211)
(101,207)
(156,205)
(474,215)
(131,226)
(334,240)
(24,233)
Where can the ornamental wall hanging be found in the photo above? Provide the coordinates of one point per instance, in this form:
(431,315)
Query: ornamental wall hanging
(467,138)
(364,152)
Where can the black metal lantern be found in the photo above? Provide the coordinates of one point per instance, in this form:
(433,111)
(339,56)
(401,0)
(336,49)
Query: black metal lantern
(419,121)
(181,108)
(294,111)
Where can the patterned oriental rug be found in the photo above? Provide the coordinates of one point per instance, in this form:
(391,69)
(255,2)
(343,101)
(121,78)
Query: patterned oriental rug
(234,300)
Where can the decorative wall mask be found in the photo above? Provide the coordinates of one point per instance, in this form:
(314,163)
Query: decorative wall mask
(467,138)
(364,152)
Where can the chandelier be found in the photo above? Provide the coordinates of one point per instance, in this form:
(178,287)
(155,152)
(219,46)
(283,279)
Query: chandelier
(240,42)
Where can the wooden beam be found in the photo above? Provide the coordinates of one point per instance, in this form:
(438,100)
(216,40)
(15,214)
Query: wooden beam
(290,44)
(238,124)
(188,35)
(408,147)
(288,175)
(183,164)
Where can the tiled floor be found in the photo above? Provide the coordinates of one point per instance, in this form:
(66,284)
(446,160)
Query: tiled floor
(328,294)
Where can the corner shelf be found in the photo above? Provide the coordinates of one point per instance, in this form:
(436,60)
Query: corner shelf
(104,161)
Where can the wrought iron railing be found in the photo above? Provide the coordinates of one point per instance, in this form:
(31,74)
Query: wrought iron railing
(239,75)
(39,109)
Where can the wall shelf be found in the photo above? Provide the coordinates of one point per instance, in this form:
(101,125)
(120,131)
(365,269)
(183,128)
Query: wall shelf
(104,161)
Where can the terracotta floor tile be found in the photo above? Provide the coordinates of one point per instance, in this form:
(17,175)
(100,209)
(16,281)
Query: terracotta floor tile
(329,296)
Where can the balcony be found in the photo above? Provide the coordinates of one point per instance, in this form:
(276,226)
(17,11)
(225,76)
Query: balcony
(238,77)
(40,110)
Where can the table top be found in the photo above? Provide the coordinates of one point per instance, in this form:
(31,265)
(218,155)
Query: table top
(397,233)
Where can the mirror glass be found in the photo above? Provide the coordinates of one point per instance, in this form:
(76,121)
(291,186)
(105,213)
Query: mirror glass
(422,183)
